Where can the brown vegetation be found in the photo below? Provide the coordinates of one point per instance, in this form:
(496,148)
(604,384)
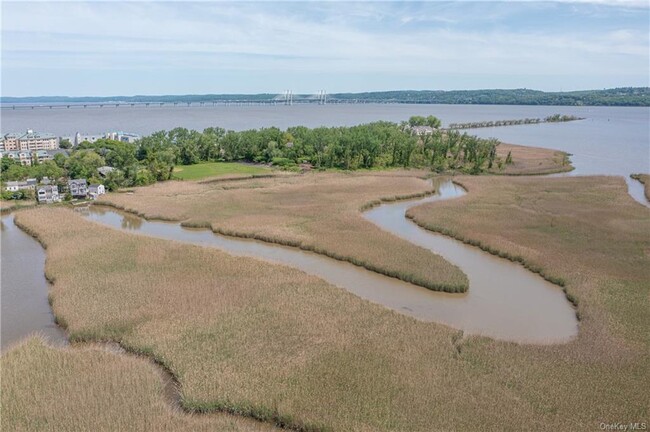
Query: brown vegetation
(589,233)
(531,160)
(92,389)
(268,341)
(316,212)
(7,206)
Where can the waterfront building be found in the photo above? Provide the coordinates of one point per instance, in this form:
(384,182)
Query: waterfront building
(422,130)
(95,190)
(105,170)
(14,186)
(79,138)
(24,157)
(28,158)
(29,141)
(116,136)
(123,136)
(48,194)
(78,188)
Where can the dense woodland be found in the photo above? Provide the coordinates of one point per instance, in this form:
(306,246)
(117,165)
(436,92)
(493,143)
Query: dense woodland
(369,146)
(626,96)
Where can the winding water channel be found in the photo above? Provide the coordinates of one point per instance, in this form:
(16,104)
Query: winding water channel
(505,301)
(24,308)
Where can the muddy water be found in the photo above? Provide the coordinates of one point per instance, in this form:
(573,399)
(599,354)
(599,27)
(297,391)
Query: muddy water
(24,308)
(504,302)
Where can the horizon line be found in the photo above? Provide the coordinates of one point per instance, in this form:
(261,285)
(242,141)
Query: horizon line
(317,92)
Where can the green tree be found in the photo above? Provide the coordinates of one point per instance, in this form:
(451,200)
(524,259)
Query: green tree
(60,159)
(417,121)
(15,172)
(47,169)
(433,122)
(83,164)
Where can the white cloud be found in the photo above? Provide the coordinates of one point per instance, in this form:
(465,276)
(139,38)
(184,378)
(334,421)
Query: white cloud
(361,38)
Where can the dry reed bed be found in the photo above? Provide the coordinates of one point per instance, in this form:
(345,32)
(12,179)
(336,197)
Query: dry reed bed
(9,206)
(267,341)
(314,212)
(584,233)
(532,160)
(92,389)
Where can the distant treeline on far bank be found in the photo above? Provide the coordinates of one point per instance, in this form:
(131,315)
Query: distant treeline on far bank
(625,96)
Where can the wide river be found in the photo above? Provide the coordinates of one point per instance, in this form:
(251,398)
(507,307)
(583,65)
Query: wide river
(611,140)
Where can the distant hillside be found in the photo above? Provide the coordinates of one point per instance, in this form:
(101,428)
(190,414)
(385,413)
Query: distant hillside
(628,96)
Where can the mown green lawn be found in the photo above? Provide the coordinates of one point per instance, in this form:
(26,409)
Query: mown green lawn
(213,169)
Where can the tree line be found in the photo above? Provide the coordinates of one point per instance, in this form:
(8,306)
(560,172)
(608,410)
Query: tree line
(624,96)
(369,146)
(555,118)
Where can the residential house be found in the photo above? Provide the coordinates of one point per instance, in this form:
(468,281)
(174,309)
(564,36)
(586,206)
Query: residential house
(78,188)
(48,194)
(31,183)
(422,130)
(42,156)
(24,157)
(14,186)
(27,158)
(95,190)
(105,170)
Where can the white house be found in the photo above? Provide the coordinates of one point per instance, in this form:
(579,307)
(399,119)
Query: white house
(95,190)
(422,130)
(48,194)
(14,186)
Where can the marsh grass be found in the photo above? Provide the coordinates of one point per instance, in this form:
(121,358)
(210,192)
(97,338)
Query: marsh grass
(7,206)
(573,231)
(266,341)
(531,161)
(314,212)
(93,389)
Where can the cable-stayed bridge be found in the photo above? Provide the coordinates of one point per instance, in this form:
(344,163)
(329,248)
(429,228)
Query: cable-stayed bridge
(287,97)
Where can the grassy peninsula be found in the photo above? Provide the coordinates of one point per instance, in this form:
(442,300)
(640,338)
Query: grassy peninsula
(318,212)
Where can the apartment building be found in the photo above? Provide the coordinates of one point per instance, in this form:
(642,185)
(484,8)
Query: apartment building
(24,157)
(29,141)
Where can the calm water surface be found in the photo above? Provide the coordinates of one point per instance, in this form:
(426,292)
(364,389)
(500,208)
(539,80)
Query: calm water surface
(23,293)
(504,301)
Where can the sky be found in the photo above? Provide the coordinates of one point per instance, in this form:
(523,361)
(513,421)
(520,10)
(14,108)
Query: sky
(107,48)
